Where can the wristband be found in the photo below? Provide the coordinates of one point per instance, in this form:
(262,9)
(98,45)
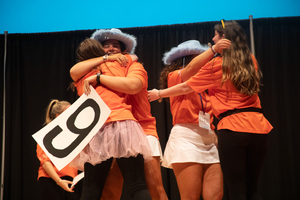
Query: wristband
(212,49)
(98,78)
(105,58)
(160,99)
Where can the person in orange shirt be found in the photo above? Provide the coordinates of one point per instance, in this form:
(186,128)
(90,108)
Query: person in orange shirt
(232,80)
(54,184)
(135,86)
(191,150)
(120,138)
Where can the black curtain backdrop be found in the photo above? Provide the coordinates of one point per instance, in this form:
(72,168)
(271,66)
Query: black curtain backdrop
(37,70)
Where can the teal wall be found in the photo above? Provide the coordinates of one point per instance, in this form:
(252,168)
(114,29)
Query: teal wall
(31,16)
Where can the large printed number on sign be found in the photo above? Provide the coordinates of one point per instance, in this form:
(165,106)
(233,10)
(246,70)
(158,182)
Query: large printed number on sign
(61,153)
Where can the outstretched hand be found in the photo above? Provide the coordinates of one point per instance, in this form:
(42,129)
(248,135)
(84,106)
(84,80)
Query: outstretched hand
(153,95)
(64,184)
(222,44)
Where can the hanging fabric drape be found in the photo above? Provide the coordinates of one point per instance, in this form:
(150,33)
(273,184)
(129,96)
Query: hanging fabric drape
(37,70)
(3,117)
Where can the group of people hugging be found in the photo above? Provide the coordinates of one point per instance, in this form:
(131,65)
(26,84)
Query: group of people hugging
(200,83)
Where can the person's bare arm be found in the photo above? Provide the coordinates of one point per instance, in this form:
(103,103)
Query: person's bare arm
(49,169)
(128,85)
(198,62)
(131,84)
(82,68)
(176,90)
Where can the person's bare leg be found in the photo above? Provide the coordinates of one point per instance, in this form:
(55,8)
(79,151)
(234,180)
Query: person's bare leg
(113,185)
(212,182)
(189,180)
(154,179)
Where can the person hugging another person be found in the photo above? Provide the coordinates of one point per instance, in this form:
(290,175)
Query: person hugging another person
(134,83)
(191,150)
(120,138)
(233,81)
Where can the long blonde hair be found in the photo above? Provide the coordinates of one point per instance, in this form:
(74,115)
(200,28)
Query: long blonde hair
(55,108)
(237,63)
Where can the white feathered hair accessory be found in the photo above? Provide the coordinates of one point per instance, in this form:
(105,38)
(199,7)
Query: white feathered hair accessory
(116,34)
(190,47)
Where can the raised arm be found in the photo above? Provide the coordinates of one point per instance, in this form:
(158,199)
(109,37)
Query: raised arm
(82,68)
(198,62)
(131,84)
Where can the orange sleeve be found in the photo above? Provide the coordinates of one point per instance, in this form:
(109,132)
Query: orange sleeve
(209,76)
(141,109)
(66,171)
(129,59)
(137,70)
(41,155)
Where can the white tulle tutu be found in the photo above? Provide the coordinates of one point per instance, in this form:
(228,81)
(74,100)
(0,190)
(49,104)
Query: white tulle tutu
(115,139)
(190,143)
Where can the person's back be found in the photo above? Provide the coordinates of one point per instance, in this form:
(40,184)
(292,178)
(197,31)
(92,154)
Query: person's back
(191,148)
(187,105)
(141,109)
(224,97)
(233,82)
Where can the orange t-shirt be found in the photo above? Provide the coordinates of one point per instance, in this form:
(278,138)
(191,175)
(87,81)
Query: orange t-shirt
(113,99)
(185,108)
(141,109)
(66,171)
(226,97)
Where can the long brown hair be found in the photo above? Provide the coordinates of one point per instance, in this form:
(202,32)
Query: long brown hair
(54,108)
(91,48)
(237,64)
(87,49)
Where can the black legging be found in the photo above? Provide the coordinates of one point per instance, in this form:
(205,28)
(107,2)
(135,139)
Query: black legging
(132,170)
(50,190)
(241,158)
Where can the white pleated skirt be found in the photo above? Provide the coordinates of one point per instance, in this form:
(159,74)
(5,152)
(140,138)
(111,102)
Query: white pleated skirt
(155,147)
(115,139)
(190,143)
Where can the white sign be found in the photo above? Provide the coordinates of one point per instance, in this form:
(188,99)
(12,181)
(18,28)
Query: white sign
(64,138)
(77,178)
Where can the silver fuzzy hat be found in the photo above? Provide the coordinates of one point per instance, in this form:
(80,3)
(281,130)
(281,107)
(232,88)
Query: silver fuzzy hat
(190,47)
(116,34)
